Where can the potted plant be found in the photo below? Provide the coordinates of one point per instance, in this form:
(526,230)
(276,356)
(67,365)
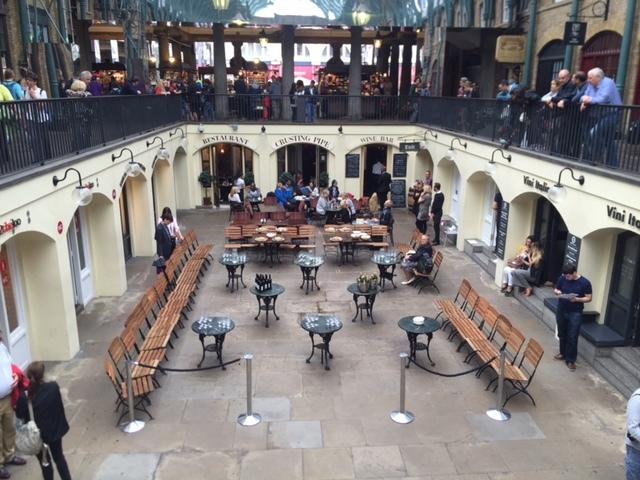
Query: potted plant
(373,280)
(249,178)
(205,180)
(323,181)
(363,282)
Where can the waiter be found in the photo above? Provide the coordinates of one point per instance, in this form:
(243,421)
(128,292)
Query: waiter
(384,183)
(436,212)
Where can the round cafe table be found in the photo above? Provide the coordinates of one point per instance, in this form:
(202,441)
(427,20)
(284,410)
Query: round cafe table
(387,262)
(216,327)
(427,328)
(324,325)
(267,301)
(309,265)
(233,261)
(369,300)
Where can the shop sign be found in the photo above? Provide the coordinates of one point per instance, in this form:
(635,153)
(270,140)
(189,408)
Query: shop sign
(10,226)
(537,184)
(501,236)
(572,250)
(575,33)
(622,216)
(377,139)
(225,139)
(60,227)
(409,146)
(352,163)
(400,164)
(510,48)
(291,139)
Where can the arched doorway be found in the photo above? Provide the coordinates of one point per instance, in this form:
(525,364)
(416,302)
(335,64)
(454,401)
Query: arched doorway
(181,179)
(550,60)
(602,50)
(551,232)
(375,158)
(225,162)
(79,245)
(305,160)
(623,305)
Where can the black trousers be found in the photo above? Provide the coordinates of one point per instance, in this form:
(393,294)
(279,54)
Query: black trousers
(437,217)
(58,457)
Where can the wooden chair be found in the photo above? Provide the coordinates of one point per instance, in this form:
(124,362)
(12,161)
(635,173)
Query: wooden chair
(297,218)
(270,200)
(280,218)
(142,387)
(403,248)
(459,300)
(233,233)
(520,376)
(428,279)
(239,217)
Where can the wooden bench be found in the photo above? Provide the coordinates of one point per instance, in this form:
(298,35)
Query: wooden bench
(425,280)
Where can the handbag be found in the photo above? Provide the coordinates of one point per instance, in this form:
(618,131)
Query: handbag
(28,439)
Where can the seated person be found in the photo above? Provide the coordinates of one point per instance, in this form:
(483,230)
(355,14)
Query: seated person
(234,199)
(386,217)
(351,206)
(305,191)
(254,194)
(421,259)
(323,203)
(520,261)
(334,193)
(527,278)
(344,214)
(283,194)
(314,190)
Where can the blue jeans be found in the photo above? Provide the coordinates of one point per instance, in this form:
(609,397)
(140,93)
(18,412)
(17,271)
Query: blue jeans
(601,145)
(310,112)
(568,331)
(632,463)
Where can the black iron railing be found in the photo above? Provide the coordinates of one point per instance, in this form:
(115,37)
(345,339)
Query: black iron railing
(35,132)
(599,135)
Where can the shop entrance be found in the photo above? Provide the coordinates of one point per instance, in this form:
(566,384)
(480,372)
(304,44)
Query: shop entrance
(124,224)
(78,243)
(225,162)
(375,158)
(551,232)
(623,307)
(303,160)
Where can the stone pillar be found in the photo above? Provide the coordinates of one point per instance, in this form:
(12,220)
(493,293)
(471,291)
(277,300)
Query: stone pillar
(288,45)
(83,40)
(190,58)
(393,66)
(355,73)
(163,47)
(237,62)
(220,71)
(382,63)
(419,44)
(405,77)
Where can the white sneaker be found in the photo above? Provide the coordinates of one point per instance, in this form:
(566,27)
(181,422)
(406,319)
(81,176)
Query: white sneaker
(409,282)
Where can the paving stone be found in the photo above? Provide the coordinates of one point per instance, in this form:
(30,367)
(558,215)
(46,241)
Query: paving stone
(327,464)
(135,466)
(295,435)
(342,433)
(210,465)
(430,459)
(250,438)
(520,427)
(378,462)
(272,465)
(476,458)
(272,409)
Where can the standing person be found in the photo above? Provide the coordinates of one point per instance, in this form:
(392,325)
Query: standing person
(50,418)
(384,184)
(576,291)
(503,91)
(436,211)
(7,418)
(14,87)
(386,218)
(164,245)
(240,187)
(276,97)
(632,439)
(334,193)
(424,206)
(311,92)
(415,192)
(174,228)
(428,178)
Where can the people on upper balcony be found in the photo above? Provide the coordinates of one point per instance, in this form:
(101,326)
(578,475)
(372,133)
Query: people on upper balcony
(566,91)
(600,91)
(503,91)
(553,90)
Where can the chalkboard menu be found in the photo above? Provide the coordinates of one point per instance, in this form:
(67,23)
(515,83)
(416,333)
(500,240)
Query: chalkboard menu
(572,250)
(503,222)
(398,193)
(400,165)
(352,162)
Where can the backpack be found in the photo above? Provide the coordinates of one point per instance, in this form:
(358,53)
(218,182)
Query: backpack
(425,264)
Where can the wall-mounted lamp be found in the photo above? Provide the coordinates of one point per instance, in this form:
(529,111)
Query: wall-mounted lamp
(340,130)
(490,167)
(163,153)
(377,42)
(172,59)
(430,132)
(133,168)
(451,154)
(263,38)
(183,137)
(200,128)
(234,127)
(263,130)
(82,194)
(558,192)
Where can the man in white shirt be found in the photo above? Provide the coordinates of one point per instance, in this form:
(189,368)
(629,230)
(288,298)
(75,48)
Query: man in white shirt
(240,187)
(7,416)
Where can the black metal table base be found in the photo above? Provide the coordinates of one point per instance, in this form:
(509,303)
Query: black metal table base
(267,304)
(414,346)
(213,347)
(347,249)
(385,275)
(309,279)
(271,253)
(234,279)
(325,353)
(364,307)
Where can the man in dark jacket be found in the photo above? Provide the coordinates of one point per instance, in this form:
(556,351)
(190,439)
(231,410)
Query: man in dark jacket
(386,218)
(384,183)
(436,212)
(164,245)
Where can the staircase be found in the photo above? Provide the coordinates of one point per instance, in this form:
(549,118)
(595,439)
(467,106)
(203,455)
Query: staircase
(621,368)
(482,255)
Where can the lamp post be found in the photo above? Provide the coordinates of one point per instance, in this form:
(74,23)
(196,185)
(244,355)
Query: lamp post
(558,192)
(82,194)
(183,137)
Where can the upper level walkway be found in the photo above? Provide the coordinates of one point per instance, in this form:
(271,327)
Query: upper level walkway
(37,132)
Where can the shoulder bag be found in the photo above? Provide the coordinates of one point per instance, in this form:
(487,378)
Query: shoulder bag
(28,439)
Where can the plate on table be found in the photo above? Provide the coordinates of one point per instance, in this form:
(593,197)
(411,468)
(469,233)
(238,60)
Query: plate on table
(261,229)
(330,229)
(281,229)
(345,229)
(261,239)
(336,239)
(278,239)
(271,234)
(418,320)
(365,236)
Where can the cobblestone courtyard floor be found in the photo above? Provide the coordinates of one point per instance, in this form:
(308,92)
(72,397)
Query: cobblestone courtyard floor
(331,424)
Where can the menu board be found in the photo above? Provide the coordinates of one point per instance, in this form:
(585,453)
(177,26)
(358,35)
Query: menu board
(409,146)
(501,237)
(398,193)
(352,162)
(400,165)
(572,250)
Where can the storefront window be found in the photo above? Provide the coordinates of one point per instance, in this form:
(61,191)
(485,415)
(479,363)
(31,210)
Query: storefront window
(8,292)
(248,160)
(282,161)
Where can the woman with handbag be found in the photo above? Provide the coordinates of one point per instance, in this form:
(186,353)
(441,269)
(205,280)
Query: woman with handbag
(49,416)
(520,261)
(527,278)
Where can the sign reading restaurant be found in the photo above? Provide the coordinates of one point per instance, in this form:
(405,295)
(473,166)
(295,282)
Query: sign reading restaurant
(225,139)
(290,139)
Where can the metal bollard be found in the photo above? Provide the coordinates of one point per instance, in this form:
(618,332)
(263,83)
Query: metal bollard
(402,415)
(499,413)
(133,425)
(250,418)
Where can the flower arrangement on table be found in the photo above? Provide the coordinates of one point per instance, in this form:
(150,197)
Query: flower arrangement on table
(367,281)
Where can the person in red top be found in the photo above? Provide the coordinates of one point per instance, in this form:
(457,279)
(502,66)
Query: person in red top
(21,386)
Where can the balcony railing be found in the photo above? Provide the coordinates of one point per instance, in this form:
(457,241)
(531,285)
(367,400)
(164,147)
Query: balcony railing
(605,136)
(34,132)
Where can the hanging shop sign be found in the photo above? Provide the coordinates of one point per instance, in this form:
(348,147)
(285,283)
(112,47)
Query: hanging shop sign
(572,250)
(225,139)
(575,33)
(409,146)
(510,48)
(621,215)
(503,223)
(10,225)
(291,139)
(541,186)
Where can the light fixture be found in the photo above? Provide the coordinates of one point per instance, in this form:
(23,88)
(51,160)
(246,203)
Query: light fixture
(82,194)
(163,153)
(183,137)
(238,19)
(451,153)
(234,127)
(200,128)
(430,132)
(377,42)
(172,59)
(263,129)
(220,4)
(558,192)
(133,168)
(490,166)
(360,15)
(340,131)
(263,39)
(153,59)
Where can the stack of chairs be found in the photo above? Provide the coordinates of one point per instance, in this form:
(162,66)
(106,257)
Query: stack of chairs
(153,324)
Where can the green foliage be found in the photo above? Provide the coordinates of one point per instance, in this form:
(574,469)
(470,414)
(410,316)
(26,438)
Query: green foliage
(323,181)
(205,179)
(249,178)
(285,177)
